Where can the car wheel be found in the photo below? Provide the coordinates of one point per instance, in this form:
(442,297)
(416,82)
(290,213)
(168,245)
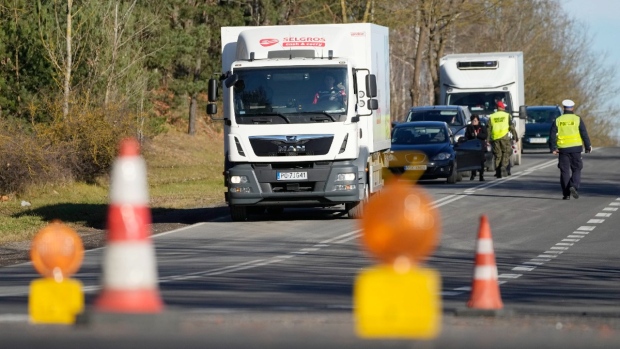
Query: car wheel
(453,175)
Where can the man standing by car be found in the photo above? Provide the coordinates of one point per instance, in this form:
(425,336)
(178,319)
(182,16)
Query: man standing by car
(567,137)
(500,124)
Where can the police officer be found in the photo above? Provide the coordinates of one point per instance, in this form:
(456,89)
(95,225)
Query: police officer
(500,124)
(567,137)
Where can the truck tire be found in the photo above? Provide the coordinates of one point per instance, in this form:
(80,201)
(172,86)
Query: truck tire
(238,213)
(355,209)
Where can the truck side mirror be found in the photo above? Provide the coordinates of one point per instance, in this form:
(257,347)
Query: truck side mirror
(523,112)
(212,90)
(211,109)
(371,85)
(373,104)
(231,80)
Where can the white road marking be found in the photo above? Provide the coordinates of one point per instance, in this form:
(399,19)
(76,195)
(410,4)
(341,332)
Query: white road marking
(603,214)
(614,204)
(509,276)
(564,243)
(596,221)
(523,268)
(587,227)
(614,209)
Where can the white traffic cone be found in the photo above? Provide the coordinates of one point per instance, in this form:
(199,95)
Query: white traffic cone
(129,281)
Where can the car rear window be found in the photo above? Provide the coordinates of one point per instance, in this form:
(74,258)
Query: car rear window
(448,116)
(419,135)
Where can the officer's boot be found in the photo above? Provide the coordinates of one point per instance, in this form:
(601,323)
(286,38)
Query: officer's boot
(504,173)
(498,172)
(473,175)
(481,176)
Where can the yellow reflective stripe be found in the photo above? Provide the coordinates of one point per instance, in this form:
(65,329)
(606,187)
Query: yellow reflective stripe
(568,131)
(500,124)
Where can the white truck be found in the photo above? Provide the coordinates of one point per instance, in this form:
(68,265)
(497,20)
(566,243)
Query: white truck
(479,80)
(291,140)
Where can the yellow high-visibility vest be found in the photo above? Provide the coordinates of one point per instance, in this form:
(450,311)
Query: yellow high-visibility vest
(500,124)
(568,131)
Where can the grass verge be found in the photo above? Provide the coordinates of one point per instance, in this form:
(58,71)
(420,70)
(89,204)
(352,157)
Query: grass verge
(183,172)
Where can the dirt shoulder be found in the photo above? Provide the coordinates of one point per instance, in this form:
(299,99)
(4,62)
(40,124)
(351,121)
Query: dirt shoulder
(19,252)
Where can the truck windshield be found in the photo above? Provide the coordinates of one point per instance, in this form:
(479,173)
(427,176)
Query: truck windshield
(279,95)
(481,103)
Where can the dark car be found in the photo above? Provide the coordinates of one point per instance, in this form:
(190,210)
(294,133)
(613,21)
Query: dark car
(429,146)
(537,126)
(455,116)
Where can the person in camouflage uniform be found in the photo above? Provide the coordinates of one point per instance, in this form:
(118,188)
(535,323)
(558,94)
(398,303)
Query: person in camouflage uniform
(500,125)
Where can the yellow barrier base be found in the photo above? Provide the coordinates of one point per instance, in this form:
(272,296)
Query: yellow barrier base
(52,302)
(389,304)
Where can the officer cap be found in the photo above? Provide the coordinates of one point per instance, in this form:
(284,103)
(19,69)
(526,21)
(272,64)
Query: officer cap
(501,105)
(567,103)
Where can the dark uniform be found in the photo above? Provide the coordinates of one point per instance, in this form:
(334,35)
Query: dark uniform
(500,125)
(477,132)
(567,137)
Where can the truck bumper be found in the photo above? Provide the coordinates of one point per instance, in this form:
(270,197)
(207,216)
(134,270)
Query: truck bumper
(260,185)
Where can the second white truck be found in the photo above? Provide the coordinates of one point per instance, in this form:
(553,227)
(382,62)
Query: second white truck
(479,80)
(306,112)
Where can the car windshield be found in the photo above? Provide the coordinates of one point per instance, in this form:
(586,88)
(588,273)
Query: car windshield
(542,115)
(278,95)
(419,135)
(448,116)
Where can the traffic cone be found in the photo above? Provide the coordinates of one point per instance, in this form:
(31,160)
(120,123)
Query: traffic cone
(129,283)
(485,288)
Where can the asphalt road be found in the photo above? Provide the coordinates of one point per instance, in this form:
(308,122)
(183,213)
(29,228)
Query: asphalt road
(282,281)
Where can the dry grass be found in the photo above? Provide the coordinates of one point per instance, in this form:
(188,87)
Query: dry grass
(183,172)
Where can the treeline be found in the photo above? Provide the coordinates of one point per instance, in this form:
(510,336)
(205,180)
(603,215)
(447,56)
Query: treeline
(75,75)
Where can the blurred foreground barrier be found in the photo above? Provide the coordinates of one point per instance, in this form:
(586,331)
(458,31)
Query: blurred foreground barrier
(129,283)
(399,298)
(56,253)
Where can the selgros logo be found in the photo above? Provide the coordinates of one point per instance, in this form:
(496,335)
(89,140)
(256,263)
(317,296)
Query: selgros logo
(315,41)
(268,42)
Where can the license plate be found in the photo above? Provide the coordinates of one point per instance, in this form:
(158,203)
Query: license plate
(415,168)
(291,176)
(538,140)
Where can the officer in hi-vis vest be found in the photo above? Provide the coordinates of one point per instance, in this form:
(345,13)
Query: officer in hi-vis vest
(500,126)
(567,137)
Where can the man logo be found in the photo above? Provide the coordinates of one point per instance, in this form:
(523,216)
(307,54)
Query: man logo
(291,149)
(268,42)
(291,139)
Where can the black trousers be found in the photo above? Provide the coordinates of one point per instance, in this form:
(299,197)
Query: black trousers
(570,165)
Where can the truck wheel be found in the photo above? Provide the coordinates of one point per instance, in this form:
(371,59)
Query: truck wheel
(354,209)
(453,175)
(238,213)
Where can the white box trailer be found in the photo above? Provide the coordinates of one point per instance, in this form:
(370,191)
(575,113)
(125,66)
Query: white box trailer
(478,80)
(291,141)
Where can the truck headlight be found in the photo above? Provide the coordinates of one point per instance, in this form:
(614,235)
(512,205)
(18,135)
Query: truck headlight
(238,179)
(342,177)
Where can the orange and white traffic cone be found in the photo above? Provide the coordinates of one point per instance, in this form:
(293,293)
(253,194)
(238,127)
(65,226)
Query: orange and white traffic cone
(129,283)
(485,288)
